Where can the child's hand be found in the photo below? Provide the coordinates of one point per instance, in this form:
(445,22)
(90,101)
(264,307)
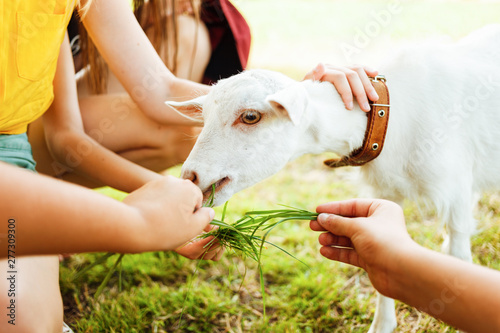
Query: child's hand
(171,213)
(198,249)
(348,81)
(370,234)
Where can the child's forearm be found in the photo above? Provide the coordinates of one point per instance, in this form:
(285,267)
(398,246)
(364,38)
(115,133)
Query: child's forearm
(88,158)
(460,293)
(73,148)
(55,217)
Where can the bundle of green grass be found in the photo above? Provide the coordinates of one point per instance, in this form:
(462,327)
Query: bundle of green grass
(246,237)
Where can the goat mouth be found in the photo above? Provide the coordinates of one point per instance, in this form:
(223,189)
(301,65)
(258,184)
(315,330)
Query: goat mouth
(218,185)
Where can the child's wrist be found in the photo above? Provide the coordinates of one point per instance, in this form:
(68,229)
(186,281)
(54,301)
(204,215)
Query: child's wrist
(133,233)
(402,268)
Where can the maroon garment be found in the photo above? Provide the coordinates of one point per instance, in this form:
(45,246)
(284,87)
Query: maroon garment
(230,38)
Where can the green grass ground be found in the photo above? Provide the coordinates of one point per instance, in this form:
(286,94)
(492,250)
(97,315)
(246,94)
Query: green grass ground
(291,36)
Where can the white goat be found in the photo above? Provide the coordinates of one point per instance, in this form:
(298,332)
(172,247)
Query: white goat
(442,143)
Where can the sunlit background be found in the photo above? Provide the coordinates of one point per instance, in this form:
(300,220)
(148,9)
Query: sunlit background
(293,35)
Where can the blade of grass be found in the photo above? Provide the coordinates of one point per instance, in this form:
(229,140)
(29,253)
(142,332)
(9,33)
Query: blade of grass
(120,276)
(210,201)
(262,291)
(108,277)
(224,211)
(285,251)
(99,261)
(241,235)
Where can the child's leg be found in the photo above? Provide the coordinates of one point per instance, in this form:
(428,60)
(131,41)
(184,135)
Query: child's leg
(37,300)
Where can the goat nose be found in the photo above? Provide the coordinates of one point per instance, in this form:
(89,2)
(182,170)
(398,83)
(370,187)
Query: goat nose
(192,176)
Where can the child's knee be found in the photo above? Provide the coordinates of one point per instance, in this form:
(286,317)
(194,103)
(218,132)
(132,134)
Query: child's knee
(33,301)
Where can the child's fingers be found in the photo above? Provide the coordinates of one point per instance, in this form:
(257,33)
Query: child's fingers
(219,254)
(329,239)
(202,217)
(316,74)
(354,77)
(368,89)
(205,248)
(370,71)
(358,85)
(339,79)
(347,208)
(338,225)
(350,82)
(210,227)
(315,226)
(347,256)
(213,251)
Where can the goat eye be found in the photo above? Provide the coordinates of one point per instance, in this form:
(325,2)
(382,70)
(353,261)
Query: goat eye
(250,117)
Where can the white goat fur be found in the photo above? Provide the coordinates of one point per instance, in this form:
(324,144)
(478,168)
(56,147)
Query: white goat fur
(442,144)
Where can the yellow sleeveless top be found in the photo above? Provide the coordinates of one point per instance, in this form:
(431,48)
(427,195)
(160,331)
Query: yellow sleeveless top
(31,33)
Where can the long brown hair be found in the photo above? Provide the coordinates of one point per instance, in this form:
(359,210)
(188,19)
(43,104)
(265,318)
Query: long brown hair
(151,14)
(82,10)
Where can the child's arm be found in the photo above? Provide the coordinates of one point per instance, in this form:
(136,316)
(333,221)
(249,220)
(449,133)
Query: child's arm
(371,234)
(49,216)
(72,147)
(120,39)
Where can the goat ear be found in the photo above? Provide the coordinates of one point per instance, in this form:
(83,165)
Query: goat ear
(290,101)
(191,109)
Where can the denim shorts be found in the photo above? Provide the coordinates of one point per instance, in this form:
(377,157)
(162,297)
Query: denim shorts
(15,149)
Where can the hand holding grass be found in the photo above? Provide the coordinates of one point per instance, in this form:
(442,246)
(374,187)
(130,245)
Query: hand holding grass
(245,235)
(171,213)
(206,248)
(371,234)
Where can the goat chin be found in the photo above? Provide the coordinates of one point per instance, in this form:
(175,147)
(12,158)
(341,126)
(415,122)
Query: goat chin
(441,143)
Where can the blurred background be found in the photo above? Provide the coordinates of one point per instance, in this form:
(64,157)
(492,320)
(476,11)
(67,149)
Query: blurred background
(294,35)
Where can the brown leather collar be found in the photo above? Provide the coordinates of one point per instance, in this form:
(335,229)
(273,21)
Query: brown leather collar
(378,119)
